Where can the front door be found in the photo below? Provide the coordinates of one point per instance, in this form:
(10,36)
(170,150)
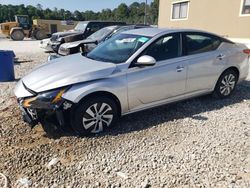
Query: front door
(149,85)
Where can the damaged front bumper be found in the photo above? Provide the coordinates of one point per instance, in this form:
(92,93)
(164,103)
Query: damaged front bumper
(45,105)
(57,114)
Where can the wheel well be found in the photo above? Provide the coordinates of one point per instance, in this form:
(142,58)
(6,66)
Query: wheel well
(235,70)
(106,94)
(16,29)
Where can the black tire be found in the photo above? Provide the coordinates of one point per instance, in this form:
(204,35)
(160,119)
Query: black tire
(17,35)
(225,86)
(50,128)
(94,121)
(40,34)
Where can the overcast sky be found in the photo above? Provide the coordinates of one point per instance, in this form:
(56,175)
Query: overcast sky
(81,5)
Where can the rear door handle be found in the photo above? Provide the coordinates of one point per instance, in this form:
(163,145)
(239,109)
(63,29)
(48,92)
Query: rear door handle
(221,56)
(179,68)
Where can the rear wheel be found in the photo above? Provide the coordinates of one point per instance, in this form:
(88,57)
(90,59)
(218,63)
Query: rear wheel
(226,84)
(95,115)
(17,35)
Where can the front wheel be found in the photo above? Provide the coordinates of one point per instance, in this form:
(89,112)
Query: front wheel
(94,115)
(17,35)
(226,84)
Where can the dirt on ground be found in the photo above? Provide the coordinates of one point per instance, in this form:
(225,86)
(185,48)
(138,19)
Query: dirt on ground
(202,142)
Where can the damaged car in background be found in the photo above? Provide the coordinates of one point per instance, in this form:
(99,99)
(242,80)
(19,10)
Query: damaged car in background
(46,45)
(95,39)
(81,31)
(133,71)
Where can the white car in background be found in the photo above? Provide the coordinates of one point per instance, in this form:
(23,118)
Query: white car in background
(45,45)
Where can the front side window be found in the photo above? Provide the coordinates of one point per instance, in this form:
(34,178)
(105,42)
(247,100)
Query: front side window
(246,7)
(23,20)
(200,43)
(119,48)
(166,47)
(95,26)
(180,10)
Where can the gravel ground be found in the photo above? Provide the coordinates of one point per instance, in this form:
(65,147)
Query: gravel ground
(201,142)
(26,47)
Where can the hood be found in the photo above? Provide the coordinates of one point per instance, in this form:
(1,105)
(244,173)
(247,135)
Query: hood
(78,43)
(66,71)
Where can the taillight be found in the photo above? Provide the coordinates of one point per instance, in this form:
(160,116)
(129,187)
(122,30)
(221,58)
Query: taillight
(247,51)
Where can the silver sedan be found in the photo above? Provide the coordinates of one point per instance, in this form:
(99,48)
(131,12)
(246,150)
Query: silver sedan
(133,71)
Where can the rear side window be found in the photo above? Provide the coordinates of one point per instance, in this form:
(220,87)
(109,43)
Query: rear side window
(200,43)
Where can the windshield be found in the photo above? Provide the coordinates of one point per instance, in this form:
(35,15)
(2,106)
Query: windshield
(101,33)
(81,26)
(118,49)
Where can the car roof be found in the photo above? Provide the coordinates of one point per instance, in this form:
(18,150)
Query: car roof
(151,32)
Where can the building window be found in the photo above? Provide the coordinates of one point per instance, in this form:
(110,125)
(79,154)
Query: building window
(246,7)
(180,10)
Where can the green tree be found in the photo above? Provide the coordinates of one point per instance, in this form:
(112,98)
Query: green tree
(154,11)
(122,12)
(78,15)
(133,13)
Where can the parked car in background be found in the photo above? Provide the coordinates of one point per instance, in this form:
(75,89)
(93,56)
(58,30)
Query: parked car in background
(133,71)
(45,45)
(81,31)
(95,39)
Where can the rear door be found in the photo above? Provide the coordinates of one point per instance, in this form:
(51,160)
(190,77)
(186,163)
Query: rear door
(205,62)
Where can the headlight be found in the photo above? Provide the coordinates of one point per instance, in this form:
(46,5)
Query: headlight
(56,43)
(64,51)
(50,99)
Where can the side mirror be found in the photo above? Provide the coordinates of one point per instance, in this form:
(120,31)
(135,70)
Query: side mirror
(145,61)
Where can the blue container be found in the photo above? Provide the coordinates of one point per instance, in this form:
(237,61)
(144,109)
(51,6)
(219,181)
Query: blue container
(7,66)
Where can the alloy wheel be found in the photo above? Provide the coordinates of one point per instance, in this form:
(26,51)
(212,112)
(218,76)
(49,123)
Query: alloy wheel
(97,116)
(227,84)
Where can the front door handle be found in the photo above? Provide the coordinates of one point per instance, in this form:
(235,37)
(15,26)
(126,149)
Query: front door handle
(221,56)
(179,68)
